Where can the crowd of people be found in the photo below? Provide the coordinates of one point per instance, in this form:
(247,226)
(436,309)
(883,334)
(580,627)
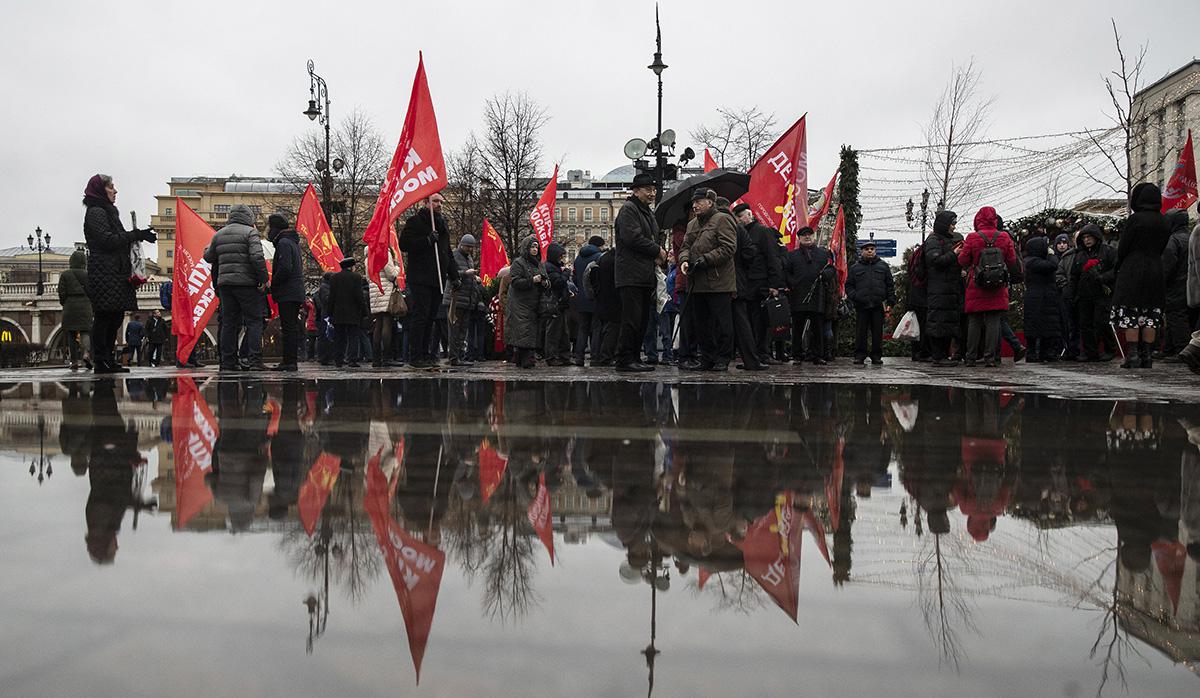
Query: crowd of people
(718,289)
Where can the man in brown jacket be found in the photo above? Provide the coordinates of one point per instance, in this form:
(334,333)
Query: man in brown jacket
(707,259)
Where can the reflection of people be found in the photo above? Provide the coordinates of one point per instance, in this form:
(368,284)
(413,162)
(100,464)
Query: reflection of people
(77,309)
(239,457)
(112,457)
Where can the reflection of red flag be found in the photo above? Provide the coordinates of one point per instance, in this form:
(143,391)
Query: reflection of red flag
(833,483)
(492,255)
(810,521)
(771,553)
(778,194)
(541,518)
(316,488)
(1181,191)
(704,573)
(417,171)
(542,216)
(817,212)
(274,409)
(311,223)
(709,163)
(1170,558)
(194,433)
(491,469)
(837,247)
(193,298)
(415,568)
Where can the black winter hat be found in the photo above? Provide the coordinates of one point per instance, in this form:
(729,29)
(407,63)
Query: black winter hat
(703,193)
(277,221)
(596,241)
(642,179)
(347,262)
(741,207)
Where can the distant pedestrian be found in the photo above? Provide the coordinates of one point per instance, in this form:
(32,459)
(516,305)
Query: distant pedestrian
(287,288)
(77,309)
(308,314)
(109,267)
(870,287)
(347,308)
(240,270)
(135,337)
(157,334)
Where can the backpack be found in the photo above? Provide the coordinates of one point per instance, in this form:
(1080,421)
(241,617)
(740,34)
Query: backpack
(917,274)
(990,271)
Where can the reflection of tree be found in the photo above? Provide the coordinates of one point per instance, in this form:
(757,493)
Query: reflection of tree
(739,592)
(944,606)
(466,535)
(509,562)
(1113,638)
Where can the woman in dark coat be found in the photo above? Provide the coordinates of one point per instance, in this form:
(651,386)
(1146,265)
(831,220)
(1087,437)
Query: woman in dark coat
(944,286)
(527,278)
(108,268)
(77,309)
(1140,291)
(1042,305)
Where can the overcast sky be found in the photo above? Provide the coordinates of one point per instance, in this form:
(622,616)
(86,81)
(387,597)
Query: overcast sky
(145,91)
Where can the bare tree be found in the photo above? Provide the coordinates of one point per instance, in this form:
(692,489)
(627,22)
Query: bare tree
(958,121)
(360,147)
(467,199)
(510,151)
(739,138)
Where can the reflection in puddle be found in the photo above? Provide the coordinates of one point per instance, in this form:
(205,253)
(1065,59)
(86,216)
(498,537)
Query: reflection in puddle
(720,492)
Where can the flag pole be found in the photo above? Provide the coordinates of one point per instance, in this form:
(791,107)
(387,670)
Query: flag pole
(437,255)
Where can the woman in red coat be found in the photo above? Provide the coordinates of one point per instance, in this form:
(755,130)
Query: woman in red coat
(988,302)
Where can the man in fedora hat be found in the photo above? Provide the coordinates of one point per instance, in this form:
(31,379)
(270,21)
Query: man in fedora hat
(347,308)
(638,252)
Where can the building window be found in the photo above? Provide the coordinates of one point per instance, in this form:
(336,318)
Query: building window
(571,214)
(282,209)
(221,208)
(257,210)
(169,211)
(587,215)
(604,214)
(558,213)
(170,253)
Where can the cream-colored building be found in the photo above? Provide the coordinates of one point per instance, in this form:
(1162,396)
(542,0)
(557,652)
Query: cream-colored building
(1170,107)
(212,197)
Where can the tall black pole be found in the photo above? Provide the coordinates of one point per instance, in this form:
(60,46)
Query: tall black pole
(657,67)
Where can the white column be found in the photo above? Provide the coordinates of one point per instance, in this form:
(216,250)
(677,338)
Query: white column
(36,334)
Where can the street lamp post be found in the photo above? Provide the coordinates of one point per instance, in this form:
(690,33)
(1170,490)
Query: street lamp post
(41,244)
(660,159)
(42,467)
(911,218)
(318,107)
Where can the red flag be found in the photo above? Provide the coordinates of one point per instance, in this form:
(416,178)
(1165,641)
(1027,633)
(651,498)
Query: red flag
(194,433)
(1170,558)
(492,255)
(491,469)
(771,554)
(810,521)
(778,194)
(709,163)
(704,573)
(1181,190)
(541,518)
(311,223)
(816,212)
(417,171)
(837,246)
(193,298)
(415,568)
(542,216)
(322,476)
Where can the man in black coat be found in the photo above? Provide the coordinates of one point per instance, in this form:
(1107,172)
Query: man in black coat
(809,271)
(157,334)
(608,308)
(638,252)
(747,264)
(430,267)
(287,287)
(1175,271)
(870,287)
(765,275)
(944,291)
(347,308)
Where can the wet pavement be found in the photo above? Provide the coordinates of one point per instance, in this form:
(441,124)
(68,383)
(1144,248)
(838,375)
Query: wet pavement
(841,531)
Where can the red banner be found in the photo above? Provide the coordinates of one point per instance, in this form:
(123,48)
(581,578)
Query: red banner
(491,469)
(704,575)
(541,518)
(417,171)
(542,216)
(311,223)
(837,247)
(415,568)
(194,433)
(322,476)
(492,255)
(771,554)
(1181,190)
(813,525)
(816,212)
(779,184)
(709,163)
(193,298)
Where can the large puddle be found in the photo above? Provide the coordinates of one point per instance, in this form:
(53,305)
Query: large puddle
(343,537)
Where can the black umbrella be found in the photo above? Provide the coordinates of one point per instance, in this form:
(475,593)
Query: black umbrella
(677,202)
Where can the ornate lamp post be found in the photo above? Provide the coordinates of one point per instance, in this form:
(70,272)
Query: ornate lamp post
(41,244)
(911,218)
(660,159)
(318,108)
(41,467)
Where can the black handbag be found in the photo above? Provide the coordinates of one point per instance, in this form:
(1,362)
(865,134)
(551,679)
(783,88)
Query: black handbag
(779,311)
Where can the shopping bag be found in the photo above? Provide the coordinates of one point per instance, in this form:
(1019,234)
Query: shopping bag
(908,328)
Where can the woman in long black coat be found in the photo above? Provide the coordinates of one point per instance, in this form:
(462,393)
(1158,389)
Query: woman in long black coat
(944,286)
(527,277)
(1042,304)
(108,268)
(1140,290)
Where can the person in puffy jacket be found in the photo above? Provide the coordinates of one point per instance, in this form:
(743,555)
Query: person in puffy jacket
(1175,271)
(77,309)
(1093,270)
(1043,310)
(986,306)
(870,287)
(239,269)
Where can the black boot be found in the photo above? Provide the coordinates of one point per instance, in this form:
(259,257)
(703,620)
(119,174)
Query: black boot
(1146,355)
(1132,354)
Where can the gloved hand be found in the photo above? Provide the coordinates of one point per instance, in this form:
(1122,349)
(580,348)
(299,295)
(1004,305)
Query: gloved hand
(148,235)
(433,239)
(456,284)
(698,266)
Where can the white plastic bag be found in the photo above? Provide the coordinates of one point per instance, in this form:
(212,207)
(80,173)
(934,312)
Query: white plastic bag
(908,327)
